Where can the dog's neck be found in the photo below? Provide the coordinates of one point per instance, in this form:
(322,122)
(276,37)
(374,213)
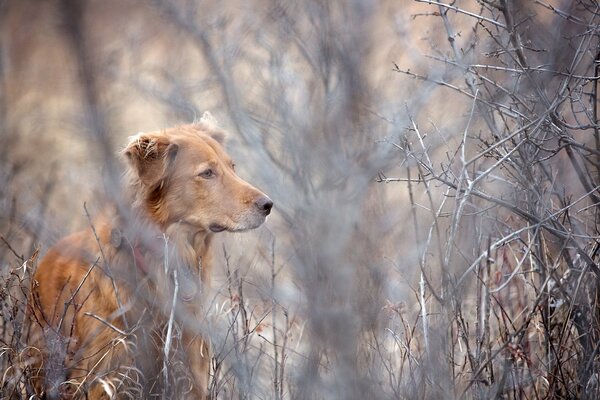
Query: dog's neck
(177,248)
(180,242)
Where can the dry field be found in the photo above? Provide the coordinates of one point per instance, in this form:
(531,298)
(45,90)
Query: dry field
(435,168)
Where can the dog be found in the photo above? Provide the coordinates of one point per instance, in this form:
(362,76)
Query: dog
(106,303)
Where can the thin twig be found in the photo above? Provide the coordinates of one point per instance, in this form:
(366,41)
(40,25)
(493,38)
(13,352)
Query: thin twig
(460,10)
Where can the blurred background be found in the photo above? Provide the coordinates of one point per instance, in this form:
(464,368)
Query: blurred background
(434,168)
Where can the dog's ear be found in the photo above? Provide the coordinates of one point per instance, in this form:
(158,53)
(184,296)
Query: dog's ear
(150,157)
(208,120)
(210,125)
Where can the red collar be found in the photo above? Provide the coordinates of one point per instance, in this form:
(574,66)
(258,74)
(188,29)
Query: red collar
(138,258)
(188,289)
(148,245)
(138,247)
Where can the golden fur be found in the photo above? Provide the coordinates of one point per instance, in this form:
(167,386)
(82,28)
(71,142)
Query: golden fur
(103,299)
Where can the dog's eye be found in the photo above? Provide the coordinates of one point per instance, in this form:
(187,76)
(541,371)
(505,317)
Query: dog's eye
(233,166)
(207,173)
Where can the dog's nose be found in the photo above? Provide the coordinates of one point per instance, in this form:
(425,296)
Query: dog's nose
(264,205)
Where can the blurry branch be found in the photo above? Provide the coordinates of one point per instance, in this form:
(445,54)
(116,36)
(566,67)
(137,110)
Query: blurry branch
(469,76)
(73,13)
(507,10)
(170,323)
(187,22)
(176,96)
(444,7)
(279,360)
(440,297)
(4,122)
(464,186)
(105,263)
(540,68)
(596,121)
(560,12)
(20,257)
(547,223)
(503,108)
(70,301)
(106,323)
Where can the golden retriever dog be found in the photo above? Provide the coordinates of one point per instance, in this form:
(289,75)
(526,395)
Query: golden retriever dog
(117,308)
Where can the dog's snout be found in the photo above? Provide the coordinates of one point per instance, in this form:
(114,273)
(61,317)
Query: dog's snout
(264,205)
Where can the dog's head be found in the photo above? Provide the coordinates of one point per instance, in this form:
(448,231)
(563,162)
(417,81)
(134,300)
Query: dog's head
(183,175)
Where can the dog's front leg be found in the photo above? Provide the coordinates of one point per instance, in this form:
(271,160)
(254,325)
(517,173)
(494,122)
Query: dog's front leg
(192,261)
(198,355)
